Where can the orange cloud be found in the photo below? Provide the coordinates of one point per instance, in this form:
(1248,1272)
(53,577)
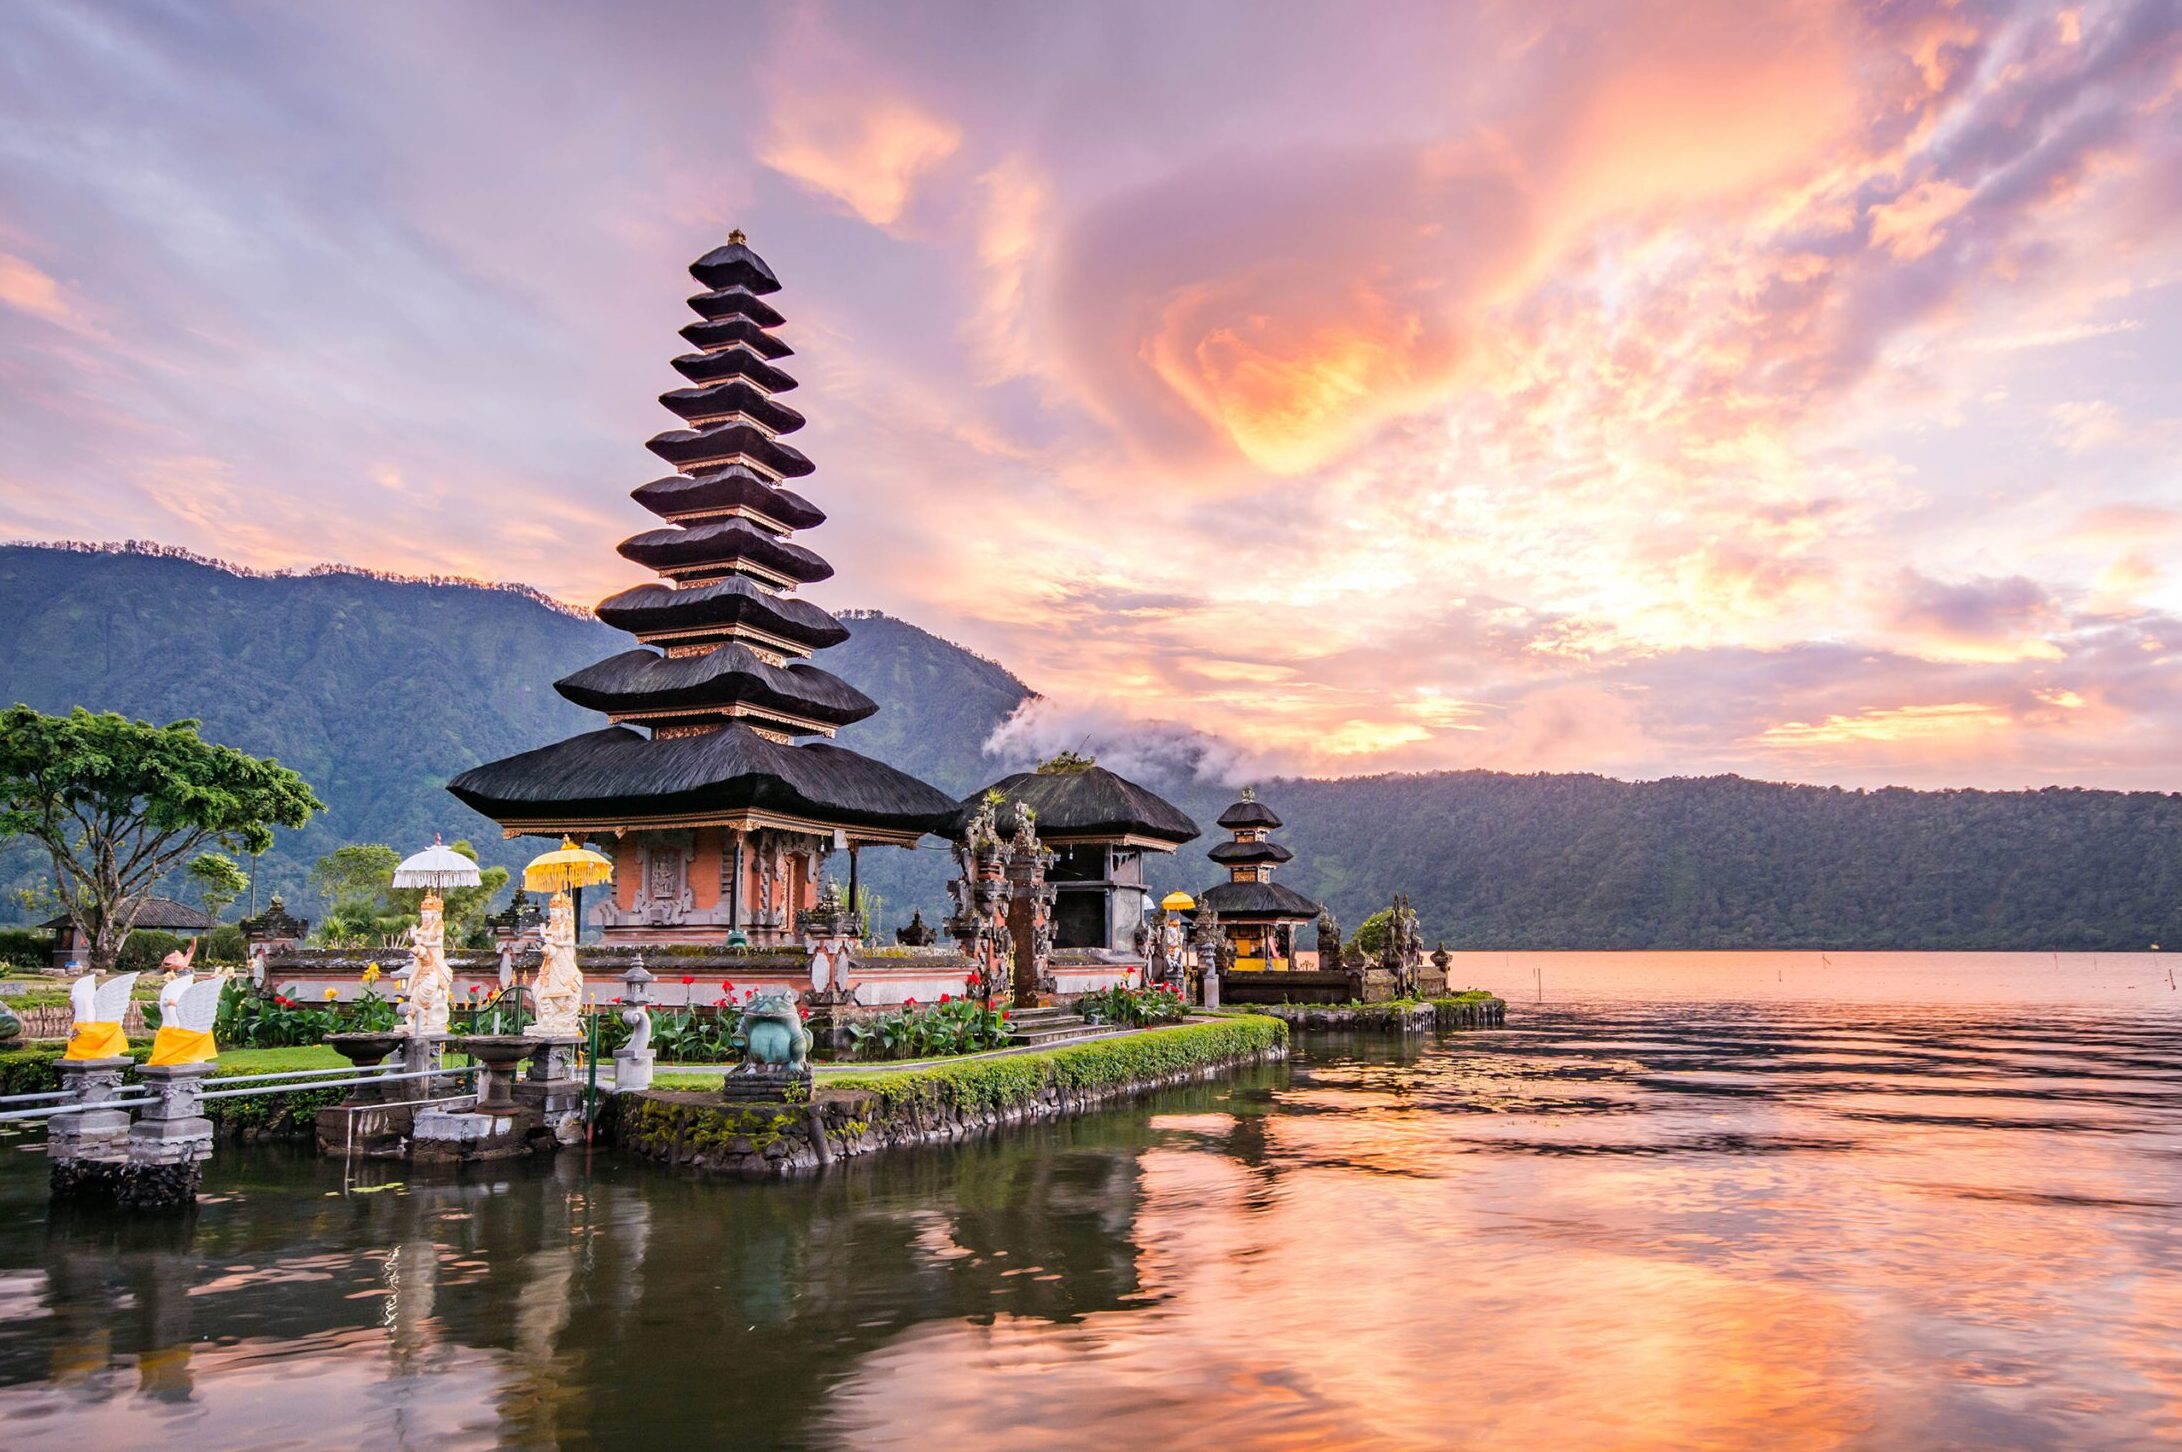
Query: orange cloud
(27,288)
(1890,724)
(867,155)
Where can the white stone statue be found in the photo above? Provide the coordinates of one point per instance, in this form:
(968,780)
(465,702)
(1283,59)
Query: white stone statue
(559,989)
(431,981)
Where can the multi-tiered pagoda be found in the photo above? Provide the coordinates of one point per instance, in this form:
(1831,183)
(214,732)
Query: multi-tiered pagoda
(1260,917)
(707,786)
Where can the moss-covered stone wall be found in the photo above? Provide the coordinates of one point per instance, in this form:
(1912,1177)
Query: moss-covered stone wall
(862,1114)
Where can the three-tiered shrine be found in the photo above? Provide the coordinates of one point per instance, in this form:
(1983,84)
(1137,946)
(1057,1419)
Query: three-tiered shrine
(713,786)
(1260,916)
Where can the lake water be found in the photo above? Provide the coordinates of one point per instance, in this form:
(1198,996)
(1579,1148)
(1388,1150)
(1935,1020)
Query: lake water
(1684,1200)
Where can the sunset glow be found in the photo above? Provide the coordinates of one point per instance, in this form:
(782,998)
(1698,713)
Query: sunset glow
(1781,390)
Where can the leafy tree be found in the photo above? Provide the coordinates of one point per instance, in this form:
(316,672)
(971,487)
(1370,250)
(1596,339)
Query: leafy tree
(1370,939)
(355,882)
(363,906)
(117,804)
(220,880)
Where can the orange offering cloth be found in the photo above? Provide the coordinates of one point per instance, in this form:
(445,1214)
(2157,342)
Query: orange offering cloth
(181,1046)
(97,1041)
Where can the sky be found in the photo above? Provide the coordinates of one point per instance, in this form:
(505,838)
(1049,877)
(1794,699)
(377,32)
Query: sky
(1649,389)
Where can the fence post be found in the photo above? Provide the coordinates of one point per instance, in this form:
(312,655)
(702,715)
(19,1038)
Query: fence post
(87,1147)
(170,1140)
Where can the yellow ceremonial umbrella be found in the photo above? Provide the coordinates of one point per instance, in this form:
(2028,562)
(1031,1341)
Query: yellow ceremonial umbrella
(1178,902)
(567,866)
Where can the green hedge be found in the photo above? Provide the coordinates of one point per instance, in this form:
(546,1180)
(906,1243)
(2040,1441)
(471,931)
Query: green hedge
(1016,1079)
(35,1071)
(26,947)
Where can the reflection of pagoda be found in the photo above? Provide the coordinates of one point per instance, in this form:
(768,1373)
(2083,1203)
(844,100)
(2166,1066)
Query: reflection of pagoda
(718,817)
(1259,916)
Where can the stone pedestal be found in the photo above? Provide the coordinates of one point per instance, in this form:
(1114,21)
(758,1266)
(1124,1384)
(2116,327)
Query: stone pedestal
(88,1147)
(550,1087)
(372,1122)
(501,1125)
(169,1142)
(633,1070)
(767,1083)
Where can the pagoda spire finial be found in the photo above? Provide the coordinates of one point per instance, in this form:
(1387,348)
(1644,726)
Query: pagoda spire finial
(735,238)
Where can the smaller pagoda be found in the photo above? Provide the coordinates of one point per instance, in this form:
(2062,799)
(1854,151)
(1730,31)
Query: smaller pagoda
(1260,917)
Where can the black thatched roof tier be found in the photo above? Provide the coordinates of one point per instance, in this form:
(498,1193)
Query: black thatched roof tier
(716,333)
(734,265)
(733,302)
(644,684)
(1239,854)
(1089,803)
(165,914)
(657,609)
(1256,900)
(612,776)
(721,544)
(678,496)
(701,406)
(701,451)
(1249,812)
(734,363)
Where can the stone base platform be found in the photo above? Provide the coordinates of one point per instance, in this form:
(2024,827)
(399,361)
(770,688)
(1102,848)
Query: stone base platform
(457,1137)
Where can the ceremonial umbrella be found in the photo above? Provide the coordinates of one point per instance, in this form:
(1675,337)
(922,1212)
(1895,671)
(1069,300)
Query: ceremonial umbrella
(437,868)
(567,866)
(1178,902)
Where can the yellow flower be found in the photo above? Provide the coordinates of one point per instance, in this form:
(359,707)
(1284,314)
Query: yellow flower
(332,994)
(371,973)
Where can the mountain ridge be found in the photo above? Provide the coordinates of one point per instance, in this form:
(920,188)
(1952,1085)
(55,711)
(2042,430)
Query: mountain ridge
(379,688)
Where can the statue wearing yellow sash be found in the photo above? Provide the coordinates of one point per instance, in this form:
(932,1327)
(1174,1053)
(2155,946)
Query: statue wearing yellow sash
(188,1007)
(96,1032)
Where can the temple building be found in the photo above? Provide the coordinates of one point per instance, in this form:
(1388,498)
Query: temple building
(1261,918)
(713,785)
(1098,826)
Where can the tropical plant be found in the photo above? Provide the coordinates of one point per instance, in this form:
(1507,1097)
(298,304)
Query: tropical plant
(951,1026)
(1370,939)
(1162,1003)
(255,1018)
(117,804)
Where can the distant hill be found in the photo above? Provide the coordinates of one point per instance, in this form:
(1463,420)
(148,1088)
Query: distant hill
(379,689)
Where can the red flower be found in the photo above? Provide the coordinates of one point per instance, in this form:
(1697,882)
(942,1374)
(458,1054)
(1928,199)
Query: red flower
(802,1012)
(476,989)
(615,999)
(969,980)
(687,980)
(909,1003)
(726,987)
(723,1000)
(943,998)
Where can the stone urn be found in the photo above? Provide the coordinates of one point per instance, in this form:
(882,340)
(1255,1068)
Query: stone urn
(499,1057)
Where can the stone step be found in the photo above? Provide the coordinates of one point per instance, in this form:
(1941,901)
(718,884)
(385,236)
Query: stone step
(1054,1031)
(1043,1015)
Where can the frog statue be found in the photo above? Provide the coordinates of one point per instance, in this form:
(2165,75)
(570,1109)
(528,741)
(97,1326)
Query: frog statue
(772,1037)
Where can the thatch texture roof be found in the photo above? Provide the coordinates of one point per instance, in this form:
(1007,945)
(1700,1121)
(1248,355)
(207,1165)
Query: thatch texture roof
(734,363)
(162,913)
(722,603)
(737,395)
(715,333)
(1256,900)
(1092,802)
(637,681)
(734,302)
(735,487)
(1249,812)
(701,450)
(724,542)
(734,265)
(1236,854)
(613,774)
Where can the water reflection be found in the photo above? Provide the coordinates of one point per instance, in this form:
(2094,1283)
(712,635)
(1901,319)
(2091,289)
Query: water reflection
(1705,1225)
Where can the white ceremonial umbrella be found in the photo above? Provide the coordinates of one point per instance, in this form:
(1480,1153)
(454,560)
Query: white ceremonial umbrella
(436,868)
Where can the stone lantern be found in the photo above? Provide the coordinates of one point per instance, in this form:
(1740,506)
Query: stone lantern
(633,1060)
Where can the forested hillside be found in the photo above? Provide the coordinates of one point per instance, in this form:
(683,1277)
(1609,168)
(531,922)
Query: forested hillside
(379,690)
